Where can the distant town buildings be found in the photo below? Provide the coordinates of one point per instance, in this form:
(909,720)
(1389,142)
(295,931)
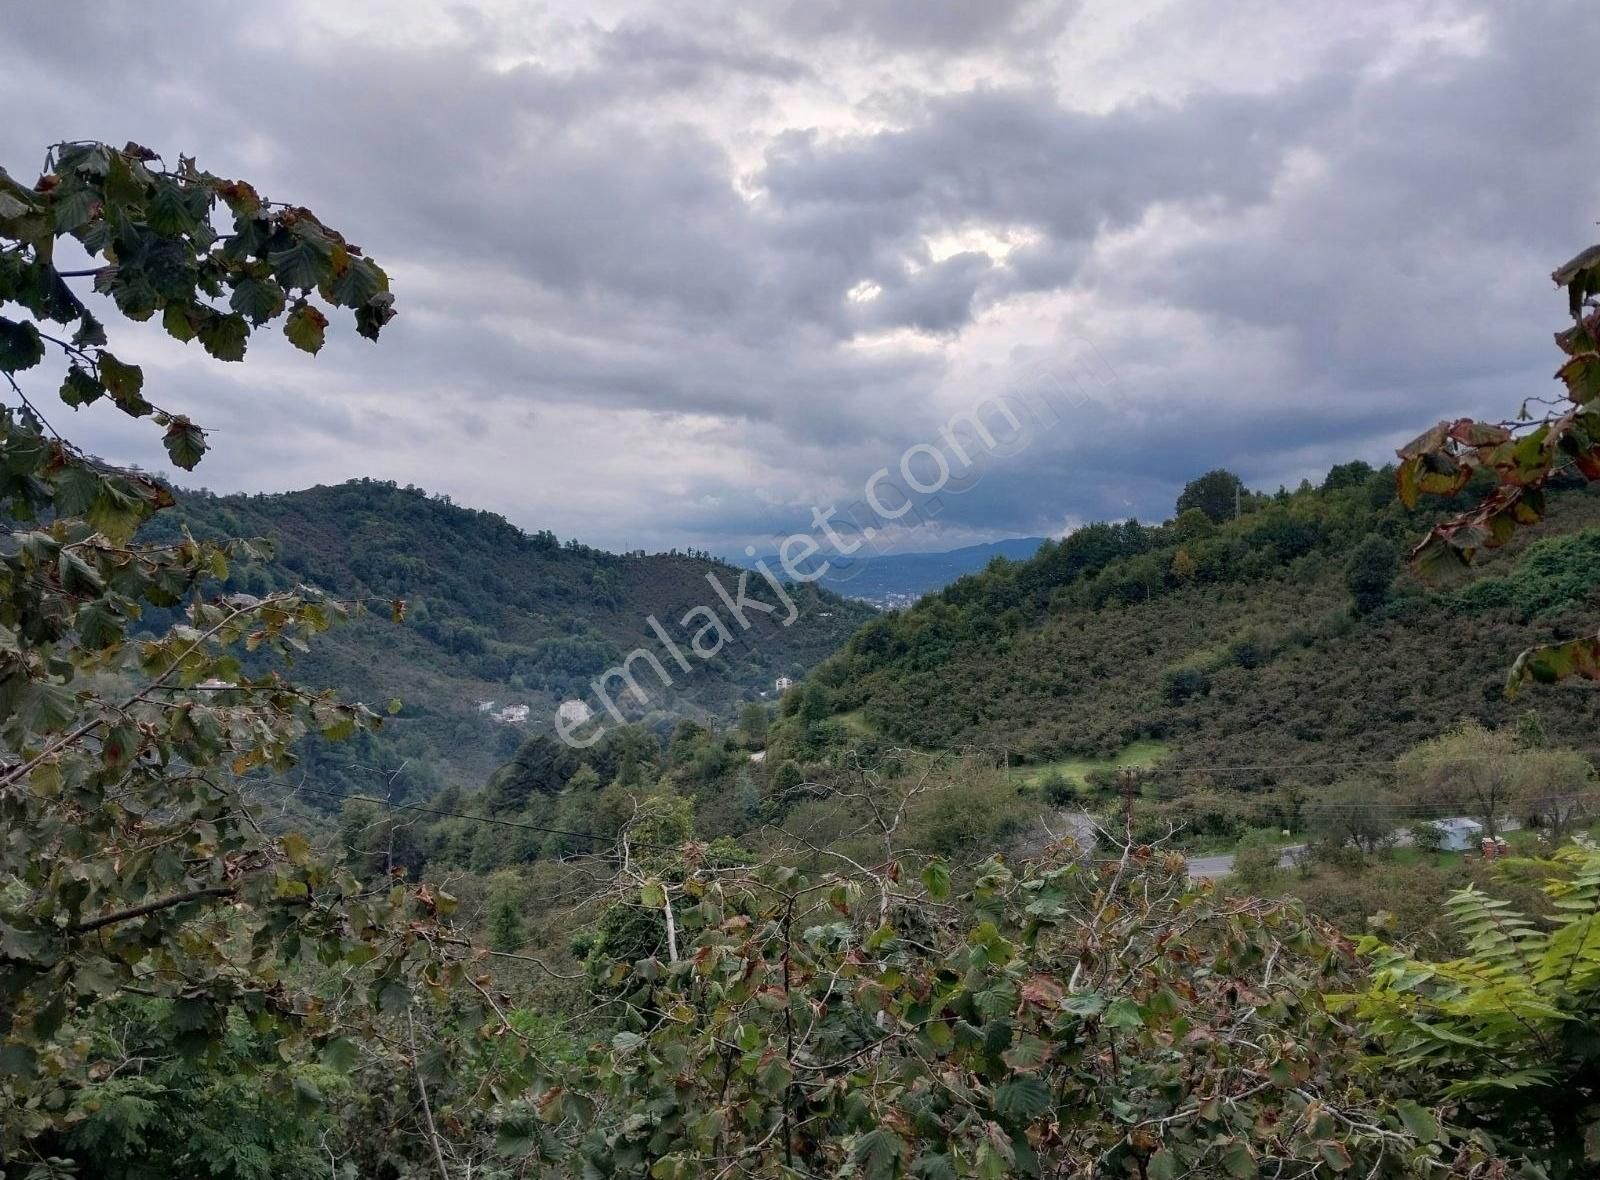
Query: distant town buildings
(574,712)
(892,600)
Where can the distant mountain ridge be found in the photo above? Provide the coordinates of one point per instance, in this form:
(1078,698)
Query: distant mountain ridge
(896,580)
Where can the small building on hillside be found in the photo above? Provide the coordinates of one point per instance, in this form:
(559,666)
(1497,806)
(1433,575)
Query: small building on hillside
(783,684)
(1460,833)
(511,715)
(574,712)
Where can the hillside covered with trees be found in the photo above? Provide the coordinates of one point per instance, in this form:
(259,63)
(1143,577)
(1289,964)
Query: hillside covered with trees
(492,614)
(1289,634)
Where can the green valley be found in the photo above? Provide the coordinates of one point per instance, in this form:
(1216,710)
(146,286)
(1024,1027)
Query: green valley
(492,614)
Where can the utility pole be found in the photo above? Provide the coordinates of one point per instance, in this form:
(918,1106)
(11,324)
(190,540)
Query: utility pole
(1128,785)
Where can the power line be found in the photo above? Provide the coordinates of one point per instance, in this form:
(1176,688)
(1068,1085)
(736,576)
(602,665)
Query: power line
(482,819)
(1329,810)
(1420,810)
(1343,764)
(1388,762)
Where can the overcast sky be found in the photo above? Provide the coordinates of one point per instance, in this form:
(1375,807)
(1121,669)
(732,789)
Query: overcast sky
(674,273)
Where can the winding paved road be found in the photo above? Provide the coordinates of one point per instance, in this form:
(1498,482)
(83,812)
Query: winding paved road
(1201,868)
(1209,868)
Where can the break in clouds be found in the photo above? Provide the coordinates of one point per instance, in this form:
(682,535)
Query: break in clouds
(676,274)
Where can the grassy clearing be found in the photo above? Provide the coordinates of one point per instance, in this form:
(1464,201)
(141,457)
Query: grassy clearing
(1192,845)
(1136,754)
(856,724)
(1415,856)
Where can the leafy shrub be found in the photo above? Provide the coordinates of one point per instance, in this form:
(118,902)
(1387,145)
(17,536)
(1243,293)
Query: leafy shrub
(1184,681)
(1057,789)
(978,816)
(1427,836)
(1204,813)
(1554,574)
(1254,869)
(1369,573)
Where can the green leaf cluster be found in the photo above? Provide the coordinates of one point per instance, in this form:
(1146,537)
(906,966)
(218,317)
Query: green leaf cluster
(138,874)
(1511,1030)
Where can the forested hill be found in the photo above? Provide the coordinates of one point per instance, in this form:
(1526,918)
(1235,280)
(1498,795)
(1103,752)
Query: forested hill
(1291,634)
(493,614)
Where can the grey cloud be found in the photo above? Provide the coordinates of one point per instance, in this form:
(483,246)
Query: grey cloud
(1285,275)
(685,61)
(943,25)
(1411,272)
(1020,156)
(1020,159)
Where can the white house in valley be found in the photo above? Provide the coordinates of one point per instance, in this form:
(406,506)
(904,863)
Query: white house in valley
(574,712)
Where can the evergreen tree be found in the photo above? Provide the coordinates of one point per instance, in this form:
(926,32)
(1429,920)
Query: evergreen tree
(506,932)
(753,723)
(1369,574)
(1216,493)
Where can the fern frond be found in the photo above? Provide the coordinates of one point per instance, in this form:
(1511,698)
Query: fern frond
(1479,1087)
(1498,936)
(1571,961)
(1530,870)
(1579,890)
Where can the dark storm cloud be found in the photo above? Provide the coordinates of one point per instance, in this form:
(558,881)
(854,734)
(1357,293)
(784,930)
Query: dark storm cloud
(751,247)
(936,298)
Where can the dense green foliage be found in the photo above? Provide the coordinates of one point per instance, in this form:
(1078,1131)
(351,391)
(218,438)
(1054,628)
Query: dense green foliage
(155,1109)
(1556,575)
(1087,1020)
(132,867)
(1369,574)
